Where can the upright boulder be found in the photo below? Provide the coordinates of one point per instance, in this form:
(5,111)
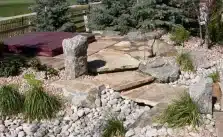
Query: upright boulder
(75,56)
(164,69)
(161,48)
(201,93)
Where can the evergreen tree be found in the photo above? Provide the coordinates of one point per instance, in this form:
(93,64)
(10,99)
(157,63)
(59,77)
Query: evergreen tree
(124,15)
(52,15)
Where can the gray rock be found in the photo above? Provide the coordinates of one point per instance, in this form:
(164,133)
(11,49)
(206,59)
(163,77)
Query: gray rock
(80,113)
(138,36)
(75,56)
(161,48)
(130,133)
(2,128)
(162,69)
(110,33)
(146,118)
(201,93)
(21,134)
(57,130)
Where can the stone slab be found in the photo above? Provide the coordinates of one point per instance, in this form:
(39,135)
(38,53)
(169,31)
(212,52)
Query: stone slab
(84,93)
(121,81)
(109,60)
(154,94)
(219,123)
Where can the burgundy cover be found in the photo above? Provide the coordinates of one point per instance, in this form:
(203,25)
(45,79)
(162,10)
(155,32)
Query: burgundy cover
(41,43)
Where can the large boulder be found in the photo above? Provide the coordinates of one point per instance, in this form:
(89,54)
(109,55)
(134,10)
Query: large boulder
(201,93)
(75,56)
(138,36)
(161,48)
(147,117)
(164,69)
(81,93)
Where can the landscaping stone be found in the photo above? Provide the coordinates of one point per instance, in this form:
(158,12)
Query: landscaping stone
(81,93)
(164,69)
(75,56)
(123,44)
(121,81)
(110,33)
(147,117)
(161,48)
(201,93)
(109,60)
(138,36)
(141,55)
(219,123)
(154,94)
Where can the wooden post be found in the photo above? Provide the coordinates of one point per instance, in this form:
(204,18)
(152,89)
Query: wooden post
(86,21)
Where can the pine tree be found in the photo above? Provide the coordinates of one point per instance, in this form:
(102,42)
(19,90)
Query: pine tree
(52,15)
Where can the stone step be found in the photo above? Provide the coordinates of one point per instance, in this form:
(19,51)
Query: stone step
(122,81)
(154,94)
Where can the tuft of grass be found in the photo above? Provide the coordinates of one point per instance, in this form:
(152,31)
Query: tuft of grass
(38,104)
(185,62)
(215,76)
(11,102)
(180,35)
(181,112)
(114,128)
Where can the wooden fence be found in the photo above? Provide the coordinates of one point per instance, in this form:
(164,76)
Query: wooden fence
(17,25)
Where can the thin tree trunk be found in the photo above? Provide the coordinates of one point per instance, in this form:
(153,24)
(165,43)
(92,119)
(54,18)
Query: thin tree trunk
(207,38)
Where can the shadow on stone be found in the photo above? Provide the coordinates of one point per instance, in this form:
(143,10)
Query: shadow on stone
(95,64)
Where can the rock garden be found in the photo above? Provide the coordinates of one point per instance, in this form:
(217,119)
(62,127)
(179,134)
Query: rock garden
(146,82)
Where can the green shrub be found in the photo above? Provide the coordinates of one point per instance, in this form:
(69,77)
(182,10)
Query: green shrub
(185,62)
(125,15)
(11,65)
(215,76)
(114,128)
(181,112)
(216,24)
(35,63)
(38,104)
(180,35)
(11,102)
(51,15)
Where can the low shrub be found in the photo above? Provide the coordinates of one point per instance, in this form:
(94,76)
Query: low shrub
(38,104)
(11,65)
(185,62)
(180,35)
(181,112)
(11,102)
(34,63)
(215,76)
(114,128)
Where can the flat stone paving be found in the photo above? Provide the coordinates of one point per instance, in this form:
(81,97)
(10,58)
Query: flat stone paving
(219,123)
(154,94)
(122,81)
(108,60)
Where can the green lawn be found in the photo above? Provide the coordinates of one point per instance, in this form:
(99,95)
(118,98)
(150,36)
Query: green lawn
(16,7)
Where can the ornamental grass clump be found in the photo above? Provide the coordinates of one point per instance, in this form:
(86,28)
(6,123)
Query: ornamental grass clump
(180,35)
(185,62)
(215,76)
(38,104)
(114,128)
(181,112)
(11,102)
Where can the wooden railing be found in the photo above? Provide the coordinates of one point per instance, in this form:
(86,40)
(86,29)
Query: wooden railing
(17,25)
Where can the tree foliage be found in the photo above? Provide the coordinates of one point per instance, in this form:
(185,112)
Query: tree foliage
(124,15)
(52,15)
